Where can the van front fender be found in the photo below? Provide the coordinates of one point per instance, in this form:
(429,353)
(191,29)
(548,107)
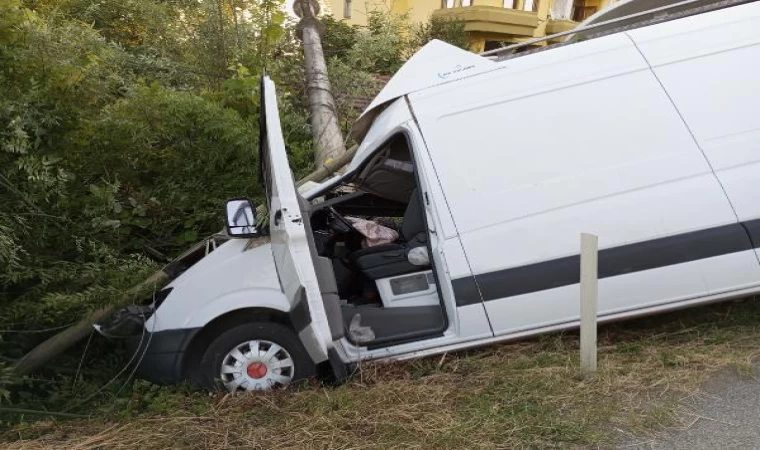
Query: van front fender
(246,298)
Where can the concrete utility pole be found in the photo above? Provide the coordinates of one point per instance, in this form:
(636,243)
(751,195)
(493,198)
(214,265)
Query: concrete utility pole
(324,120)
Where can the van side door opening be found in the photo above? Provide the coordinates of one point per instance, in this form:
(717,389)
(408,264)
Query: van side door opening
(388,292)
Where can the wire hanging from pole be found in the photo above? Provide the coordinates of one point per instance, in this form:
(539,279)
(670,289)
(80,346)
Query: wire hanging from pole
(81,360)
(126,366)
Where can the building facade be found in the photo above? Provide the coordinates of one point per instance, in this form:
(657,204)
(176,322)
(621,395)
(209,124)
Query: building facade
(489,23)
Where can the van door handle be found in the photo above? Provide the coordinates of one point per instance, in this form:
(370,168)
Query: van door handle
(277,217)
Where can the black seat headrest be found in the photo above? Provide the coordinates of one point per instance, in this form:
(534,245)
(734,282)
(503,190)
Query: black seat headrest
(414,219)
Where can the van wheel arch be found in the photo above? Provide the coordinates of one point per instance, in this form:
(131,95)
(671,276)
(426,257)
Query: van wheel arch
(228,320)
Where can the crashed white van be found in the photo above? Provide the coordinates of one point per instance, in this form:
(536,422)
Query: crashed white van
(648,138)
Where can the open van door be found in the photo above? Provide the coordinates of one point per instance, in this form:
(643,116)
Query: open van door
(290,233)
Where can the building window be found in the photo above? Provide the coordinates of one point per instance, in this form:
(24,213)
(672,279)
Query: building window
(456,3)
(581,12)
(491,45)
(562,9)
(346,9)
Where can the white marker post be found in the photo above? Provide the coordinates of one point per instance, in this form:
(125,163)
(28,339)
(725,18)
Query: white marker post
(589,300)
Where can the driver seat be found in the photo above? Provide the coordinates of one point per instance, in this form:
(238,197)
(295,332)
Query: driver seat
(388,260)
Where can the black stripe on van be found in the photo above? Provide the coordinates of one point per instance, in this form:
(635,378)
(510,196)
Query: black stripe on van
(753,230)
(667,251)
(465,291)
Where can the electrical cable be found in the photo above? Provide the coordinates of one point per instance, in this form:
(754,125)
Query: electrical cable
(81,360)
(44,330)
(134,355)
(145,351)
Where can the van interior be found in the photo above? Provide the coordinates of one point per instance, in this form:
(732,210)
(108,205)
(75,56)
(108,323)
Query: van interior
(387,289)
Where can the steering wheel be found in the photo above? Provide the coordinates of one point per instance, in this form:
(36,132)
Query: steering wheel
(339,223)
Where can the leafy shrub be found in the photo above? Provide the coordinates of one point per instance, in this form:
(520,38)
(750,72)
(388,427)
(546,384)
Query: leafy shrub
(447,30)
(162,163)
(124,125)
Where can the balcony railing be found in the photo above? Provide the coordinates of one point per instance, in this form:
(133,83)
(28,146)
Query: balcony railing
(512,20)
(523,5)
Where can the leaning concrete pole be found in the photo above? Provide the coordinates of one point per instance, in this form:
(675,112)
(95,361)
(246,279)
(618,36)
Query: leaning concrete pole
(328,139)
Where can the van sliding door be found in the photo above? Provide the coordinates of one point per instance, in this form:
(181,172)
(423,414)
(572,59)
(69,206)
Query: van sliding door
(709,66)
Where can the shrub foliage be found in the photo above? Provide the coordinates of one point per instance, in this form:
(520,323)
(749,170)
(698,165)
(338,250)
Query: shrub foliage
(124,125)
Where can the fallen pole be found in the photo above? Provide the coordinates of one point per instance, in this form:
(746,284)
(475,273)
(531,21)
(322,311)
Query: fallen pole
(60,342)
(589,301)
(329,167)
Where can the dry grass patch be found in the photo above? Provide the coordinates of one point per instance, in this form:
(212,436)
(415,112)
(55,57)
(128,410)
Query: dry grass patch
(521,395)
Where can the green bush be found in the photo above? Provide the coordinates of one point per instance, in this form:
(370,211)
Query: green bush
(124,125)
(160,163)
(447,30)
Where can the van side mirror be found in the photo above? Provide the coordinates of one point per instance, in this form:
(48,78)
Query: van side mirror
(241,218)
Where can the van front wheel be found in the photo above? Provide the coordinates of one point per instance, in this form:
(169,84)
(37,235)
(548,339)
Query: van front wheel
(255,356)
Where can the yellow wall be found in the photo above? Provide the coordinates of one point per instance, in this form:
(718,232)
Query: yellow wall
(496,3)
(419,10)
(359,9)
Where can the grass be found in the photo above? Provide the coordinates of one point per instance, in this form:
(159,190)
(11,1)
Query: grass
(521,395)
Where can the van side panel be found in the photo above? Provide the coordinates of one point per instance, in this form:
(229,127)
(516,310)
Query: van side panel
(709,67)
(579,139)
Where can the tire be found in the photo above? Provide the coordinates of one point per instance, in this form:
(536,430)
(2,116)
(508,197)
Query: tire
(223,368)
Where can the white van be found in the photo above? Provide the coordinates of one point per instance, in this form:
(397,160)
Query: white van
(648,138)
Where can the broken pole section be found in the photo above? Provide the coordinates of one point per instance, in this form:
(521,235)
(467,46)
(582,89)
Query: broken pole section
(589,301)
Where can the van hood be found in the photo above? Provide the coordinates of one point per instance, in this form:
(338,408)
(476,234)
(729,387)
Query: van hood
(236,264)
(435,63)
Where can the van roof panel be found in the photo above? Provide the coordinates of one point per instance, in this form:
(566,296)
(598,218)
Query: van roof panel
(435,63)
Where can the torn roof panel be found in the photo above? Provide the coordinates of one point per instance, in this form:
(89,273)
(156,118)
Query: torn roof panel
(435,63)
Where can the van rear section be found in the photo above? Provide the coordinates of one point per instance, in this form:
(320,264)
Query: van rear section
(647,138)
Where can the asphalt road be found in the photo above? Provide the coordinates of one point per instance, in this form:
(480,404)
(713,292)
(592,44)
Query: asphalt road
(726,416)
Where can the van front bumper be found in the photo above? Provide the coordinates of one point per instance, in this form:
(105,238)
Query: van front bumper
(159,355)
(163,354)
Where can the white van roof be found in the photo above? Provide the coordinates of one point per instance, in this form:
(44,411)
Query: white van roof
(435,63)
